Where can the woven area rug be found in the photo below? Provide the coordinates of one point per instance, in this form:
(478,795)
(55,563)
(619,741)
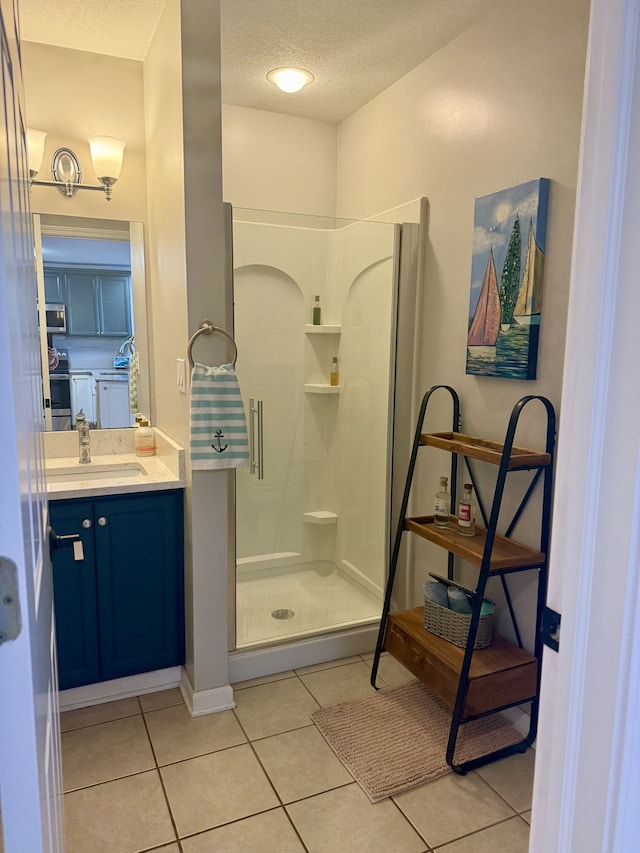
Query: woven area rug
(396,739)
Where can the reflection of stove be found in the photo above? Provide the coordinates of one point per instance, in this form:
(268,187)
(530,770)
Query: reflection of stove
(60,393)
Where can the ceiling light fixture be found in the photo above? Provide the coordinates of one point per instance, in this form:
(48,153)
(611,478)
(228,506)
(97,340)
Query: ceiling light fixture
(290,80)
(106,154)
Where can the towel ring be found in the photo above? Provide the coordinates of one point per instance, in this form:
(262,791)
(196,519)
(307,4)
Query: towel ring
(207,328)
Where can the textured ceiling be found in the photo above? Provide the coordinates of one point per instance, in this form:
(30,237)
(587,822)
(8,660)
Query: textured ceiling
(354,48)
(116,27)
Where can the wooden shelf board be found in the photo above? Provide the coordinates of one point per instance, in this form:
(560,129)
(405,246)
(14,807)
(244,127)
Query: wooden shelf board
(500,675)
(506,553)
(486,451)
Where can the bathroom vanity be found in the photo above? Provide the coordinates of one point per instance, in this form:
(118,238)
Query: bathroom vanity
(119,591)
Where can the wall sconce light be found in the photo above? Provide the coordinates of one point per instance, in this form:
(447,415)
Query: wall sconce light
(106,154)
(290,80)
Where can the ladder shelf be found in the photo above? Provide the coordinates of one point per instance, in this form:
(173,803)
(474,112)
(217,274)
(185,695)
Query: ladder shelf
(476,682)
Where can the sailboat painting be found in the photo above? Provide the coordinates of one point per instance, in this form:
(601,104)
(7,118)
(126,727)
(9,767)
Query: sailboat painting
(506,281)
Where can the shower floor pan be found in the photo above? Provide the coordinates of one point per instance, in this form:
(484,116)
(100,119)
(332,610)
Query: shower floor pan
(300,601)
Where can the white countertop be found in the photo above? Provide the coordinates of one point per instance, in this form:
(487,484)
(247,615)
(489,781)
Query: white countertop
(116,467)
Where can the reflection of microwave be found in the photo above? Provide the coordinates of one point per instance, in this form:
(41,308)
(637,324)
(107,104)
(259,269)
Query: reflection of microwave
(56,318)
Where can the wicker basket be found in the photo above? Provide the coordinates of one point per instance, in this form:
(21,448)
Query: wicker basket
(454,627)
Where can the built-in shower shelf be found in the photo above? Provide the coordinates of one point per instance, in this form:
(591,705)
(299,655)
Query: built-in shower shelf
(322,330)
(322,389)
(320,516)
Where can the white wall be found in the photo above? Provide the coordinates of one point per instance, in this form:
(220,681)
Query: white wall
(278,162)
(498,106)
(187,262)
(72,94)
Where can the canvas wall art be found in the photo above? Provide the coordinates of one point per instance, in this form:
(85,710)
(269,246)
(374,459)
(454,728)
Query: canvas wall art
(509,237)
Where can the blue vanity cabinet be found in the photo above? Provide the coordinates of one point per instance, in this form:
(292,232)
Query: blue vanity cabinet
(135,555)
(139,560)
(75,602)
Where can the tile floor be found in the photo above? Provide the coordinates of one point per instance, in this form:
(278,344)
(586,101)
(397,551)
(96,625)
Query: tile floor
(141,775)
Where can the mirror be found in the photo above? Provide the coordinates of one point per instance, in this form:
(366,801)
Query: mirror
(92,315)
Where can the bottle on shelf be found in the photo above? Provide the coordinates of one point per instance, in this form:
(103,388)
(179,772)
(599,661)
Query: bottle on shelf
(442,509)
(145,439)
(467,512)
(317,312)
(334,376)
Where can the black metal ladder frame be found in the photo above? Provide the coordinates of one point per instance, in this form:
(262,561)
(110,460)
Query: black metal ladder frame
(484,572)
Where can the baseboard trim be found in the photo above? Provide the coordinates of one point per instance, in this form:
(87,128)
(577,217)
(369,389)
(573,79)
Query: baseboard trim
(305,652)
(119,688)
(202,702)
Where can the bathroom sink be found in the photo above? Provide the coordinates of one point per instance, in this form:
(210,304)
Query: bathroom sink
(74,473)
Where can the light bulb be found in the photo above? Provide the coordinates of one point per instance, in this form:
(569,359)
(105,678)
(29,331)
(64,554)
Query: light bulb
(290,80)
(106,156)
(35,150)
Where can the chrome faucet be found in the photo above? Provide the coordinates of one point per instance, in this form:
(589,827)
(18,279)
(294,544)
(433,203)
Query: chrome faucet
(82,426)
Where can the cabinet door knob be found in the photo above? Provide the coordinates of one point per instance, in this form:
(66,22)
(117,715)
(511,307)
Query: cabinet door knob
(102,521)
(86,522)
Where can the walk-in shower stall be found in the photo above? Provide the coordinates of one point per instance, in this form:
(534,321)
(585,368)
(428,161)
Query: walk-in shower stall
(313,510)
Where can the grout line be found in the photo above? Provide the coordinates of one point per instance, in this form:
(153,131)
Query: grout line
(273,787)
(98,722)
(162,785)
(108,781)
(239,820)
(498,794)
(411,824)
(481,829)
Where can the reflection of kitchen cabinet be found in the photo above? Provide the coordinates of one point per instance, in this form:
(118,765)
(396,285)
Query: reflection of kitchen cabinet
(83,396)
(53,286)
(114,304)
(120,610)
(98,301)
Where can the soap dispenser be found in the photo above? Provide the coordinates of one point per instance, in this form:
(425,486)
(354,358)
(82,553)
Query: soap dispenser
(145,439)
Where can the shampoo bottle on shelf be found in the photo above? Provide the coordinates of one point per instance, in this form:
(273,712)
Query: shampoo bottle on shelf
(467,512)
(334,376)
(317,312)
(145,439)
(442,508)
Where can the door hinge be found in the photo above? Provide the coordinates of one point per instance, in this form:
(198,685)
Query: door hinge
(550,629)
(10,622)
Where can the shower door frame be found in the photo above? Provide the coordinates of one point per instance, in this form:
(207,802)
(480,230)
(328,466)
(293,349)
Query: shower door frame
(408,264)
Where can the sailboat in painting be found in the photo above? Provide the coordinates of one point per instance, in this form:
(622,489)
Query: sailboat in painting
(485,326)
(529,302)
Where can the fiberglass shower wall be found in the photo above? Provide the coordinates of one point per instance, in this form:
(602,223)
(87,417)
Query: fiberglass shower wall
(324,495)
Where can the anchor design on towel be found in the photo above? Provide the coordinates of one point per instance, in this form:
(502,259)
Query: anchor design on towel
(218,438)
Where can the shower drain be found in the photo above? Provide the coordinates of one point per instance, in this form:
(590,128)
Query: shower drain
(283,613)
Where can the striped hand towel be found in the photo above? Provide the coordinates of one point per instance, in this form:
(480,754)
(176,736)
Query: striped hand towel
(218,427)
(134,370)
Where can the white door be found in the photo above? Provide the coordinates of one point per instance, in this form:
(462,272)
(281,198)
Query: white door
(587,778)
(29,735)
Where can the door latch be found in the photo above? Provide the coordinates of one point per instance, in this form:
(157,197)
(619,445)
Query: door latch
(10,622)
(70,540)
(550,629)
